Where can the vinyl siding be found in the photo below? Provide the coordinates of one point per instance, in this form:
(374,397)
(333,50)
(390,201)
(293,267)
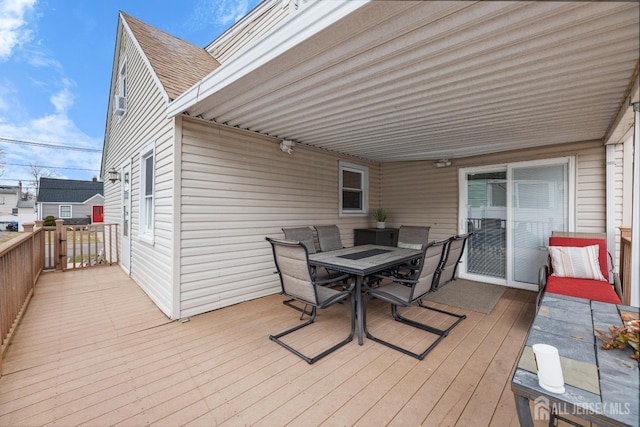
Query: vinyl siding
(259,22)
(145,122)
(238,187)
(418,193)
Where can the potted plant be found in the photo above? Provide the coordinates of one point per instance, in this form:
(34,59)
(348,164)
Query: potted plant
(380,215)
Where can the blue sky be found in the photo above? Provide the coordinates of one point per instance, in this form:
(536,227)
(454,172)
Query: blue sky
(55,72)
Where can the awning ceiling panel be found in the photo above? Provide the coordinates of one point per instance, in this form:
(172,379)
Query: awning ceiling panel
(426,80)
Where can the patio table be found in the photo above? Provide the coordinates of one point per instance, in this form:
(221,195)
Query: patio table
(600,385)
(362,261)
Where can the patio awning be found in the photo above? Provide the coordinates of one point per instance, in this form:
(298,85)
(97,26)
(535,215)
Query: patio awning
(392,80)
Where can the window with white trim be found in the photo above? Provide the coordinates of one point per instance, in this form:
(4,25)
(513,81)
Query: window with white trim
(147,181)
(122,87)
(120,99)
(354,189)
(65,211)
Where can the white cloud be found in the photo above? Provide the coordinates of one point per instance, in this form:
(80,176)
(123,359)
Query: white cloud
(63,100)
(230,11)
(223,13)
(13,25)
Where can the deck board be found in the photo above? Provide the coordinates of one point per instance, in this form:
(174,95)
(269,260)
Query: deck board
(93,350)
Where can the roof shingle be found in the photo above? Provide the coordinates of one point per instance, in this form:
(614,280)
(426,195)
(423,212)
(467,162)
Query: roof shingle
(67,190)
(177,63)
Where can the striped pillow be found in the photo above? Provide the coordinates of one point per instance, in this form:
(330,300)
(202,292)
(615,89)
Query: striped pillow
(576,262)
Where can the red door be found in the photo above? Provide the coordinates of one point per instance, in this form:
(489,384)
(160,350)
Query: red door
(97,214)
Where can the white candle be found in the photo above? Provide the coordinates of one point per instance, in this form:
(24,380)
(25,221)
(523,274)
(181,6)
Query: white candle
(550,375)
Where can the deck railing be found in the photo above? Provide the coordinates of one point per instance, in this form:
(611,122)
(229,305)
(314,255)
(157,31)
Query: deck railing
(40,248)
(21,263)
(69,247)
(625,264)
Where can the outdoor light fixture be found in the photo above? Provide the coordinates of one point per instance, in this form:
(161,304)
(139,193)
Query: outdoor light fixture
(442,163)
(287,146)
(114,175)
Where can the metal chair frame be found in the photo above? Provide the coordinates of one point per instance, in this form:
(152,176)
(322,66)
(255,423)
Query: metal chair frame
(317,296)
(407,291)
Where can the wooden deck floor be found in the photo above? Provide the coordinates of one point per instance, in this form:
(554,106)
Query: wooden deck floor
(93,350)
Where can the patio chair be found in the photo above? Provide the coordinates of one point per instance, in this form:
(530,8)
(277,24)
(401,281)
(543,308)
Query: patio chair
(449,268)
(304,235)
(412,237)
(328,237)
(407,291)
(298,283)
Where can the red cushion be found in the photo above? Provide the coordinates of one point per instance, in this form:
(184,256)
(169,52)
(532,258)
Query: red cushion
(596,290)
(580,242)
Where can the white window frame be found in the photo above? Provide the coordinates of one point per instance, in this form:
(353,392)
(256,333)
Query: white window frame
(147,202)
(70,211)
(122,77)
(364,173)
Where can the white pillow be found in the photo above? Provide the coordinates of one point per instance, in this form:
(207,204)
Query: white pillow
(576,262)
(404,245)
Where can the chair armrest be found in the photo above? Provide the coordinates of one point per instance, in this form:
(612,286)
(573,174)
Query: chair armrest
(617,286)
(542,283)
(543,273)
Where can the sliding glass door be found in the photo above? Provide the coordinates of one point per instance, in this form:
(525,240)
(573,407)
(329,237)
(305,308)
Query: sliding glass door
(512,210)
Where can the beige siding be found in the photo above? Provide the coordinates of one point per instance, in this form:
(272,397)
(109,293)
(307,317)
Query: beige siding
(419,193)
(258,23)
(237,188)
(145,122)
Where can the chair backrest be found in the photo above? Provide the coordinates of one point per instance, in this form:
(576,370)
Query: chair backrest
(413,237)
(450,263)
(303,235)
(292,265)
(328,237)
(430,262)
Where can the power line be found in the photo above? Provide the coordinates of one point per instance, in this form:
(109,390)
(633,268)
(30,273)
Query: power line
(53,167)
(47,145)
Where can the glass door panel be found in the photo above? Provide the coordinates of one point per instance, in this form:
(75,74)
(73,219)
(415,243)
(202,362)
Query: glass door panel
(539,205)
(486,217)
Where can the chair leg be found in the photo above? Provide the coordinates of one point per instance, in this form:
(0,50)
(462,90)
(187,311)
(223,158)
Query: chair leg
(304,311)
(444,332)
(396,315)
(319,356)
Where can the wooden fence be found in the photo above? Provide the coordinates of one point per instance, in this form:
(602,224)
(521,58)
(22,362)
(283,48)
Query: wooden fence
(39,248)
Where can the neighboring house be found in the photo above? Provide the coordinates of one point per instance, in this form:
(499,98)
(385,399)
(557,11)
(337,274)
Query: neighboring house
(14,207)
(312,112)
(74,201)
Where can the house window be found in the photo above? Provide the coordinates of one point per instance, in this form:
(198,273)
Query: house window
(354,189)
(65,211)
(120,99)
(147,193)
(122,89)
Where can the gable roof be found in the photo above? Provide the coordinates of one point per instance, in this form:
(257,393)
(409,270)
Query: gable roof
(67,190)
(177,63)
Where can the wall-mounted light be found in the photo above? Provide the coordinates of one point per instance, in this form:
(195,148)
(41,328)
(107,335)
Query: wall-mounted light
(442,163)
(113,175)
(287,146)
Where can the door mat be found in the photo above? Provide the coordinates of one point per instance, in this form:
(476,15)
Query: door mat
(474,296)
